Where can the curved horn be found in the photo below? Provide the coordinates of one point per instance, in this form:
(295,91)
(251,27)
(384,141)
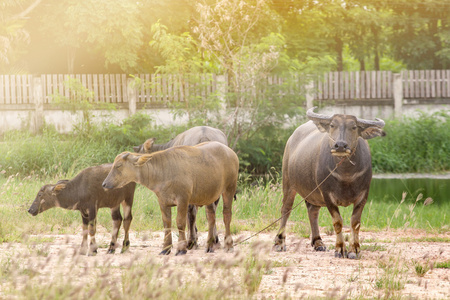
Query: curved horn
(378,123)
(312,115)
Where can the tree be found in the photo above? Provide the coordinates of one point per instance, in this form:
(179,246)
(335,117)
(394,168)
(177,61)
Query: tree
(110,28)
(235,34)
(184,60)
(13,36)
(419,33)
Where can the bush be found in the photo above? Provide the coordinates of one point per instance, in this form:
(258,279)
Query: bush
(263,151)
(411,145)
(418,144)
(51,153)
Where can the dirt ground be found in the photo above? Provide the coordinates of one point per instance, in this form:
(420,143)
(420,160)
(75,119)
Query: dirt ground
(297,273)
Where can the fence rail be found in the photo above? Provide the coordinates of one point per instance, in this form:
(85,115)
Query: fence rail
(161,88)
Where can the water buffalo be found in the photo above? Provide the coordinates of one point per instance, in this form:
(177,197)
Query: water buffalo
(86,194)
(312,152)
(180,176)
(190,137)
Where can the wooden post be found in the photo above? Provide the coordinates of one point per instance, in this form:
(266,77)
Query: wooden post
(132,94)
(38,98)
(398,95)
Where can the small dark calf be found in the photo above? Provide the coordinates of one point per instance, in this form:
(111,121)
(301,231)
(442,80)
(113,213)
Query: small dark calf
(86,194)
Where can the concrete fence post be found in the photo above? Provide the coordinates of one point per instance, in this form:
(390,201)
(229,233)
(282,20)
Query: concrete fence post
(38,97)
(221,81)
(398,95)
(132,95)
(309,94)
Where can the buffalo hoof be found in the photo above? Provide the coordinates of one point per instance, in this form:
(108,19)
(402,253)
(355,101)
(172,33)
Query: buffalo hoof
(192,245)
(125,247)
(210,250)
(181,252)
(111,251)
(352,255)
(165,252)
(92,253)
(230,249)
(279,248)
(340,255)
(320,248)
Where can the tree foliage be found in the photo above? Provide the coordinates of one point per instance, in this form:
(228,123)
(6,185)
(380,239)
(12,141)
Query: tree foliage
(13,37)
(111,36)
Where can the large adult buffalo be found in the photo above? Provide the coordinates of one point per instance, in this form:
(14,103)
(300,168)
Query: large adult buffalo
(190,137)
(312,152)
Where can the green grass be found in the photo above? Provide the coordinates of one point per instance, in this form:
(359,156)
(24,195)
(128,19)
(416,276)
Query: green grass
(255,208)
(442,265)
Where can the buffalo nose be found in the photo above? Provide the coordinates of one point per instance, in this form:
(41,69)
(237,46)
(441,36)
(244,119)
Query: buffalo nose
(104,185)
(340,146)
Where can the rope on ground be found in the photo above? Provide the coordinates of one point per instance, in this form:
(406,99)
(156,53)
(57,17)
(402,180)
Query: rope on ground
(255,234)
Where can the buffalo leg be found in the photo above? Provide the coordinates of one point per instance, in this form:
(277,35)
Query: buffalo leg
(354,248)
(227,213)
(84,245)
(216,234)
(340,250)
(192,214)
(288,201)
(181,225)
(313,215)
(117,221)
(211,217)
(92,227)
(166,213)
(127,223)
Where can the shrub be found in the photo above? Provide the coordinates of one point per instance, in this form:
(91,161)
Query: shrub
(413,144)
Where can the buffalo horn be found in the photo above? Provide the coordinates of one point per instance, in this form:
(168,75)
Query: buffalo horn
(366,123)
(312,115)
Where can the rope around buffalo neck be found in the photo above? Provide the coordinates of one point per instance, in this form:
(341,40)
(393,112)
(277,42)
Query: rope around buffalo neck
(332,171)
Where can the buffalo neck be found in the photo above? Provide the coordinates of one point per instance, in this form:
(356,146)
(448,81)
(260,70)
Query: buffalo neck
(67,197)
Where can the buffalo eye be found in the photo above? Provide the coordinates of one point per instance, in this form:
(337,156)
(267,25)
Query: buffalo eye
(332,125)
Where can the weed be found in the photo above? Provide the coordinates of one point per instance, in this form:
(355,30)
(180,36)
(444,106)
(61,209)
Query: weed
(394,276)
(421,269)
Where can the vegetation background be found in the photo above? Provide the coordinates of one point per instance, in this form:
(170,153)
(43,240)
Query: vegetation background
(101,36)
(246,40)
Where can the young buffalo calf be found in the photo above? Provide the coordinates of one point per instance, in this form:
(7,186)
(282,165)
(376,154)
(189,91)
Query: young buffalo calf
(86,194)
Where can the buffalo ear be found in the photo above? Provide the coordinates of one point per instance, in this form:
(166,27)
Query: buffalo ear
(371,132)
(148,144)
(58,188)
(136,149)
(322,125)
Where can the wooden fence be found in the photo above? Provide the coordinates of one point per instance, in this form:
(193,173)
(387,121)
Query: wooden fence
(159,89)
(111,88)
(423,84)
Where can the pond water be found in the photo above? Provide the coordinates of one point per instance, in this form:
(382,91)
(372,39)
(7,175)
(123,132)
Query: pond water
(391,189)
